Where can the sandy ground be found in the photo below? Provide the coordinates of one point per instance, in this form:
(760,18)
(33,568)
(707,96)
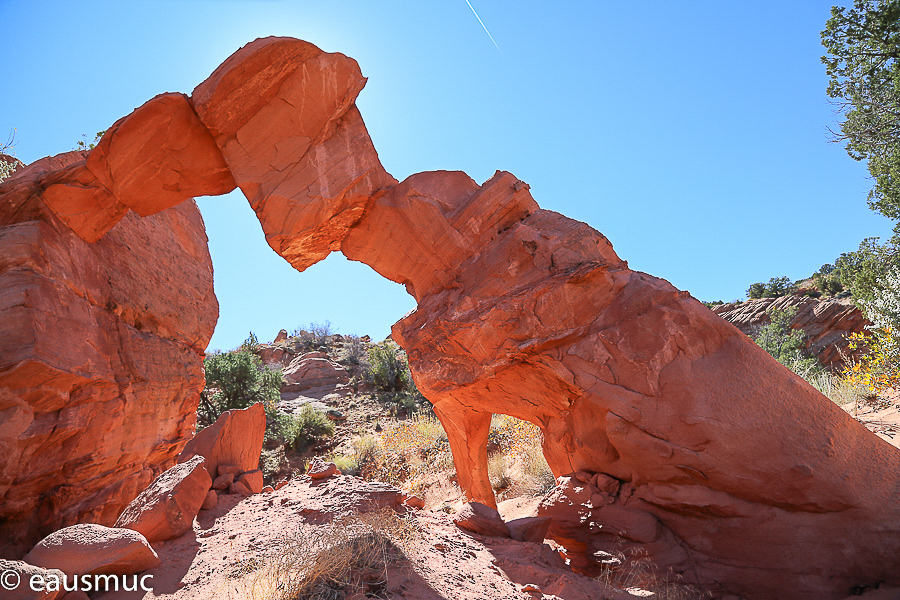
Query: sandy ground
(226,554)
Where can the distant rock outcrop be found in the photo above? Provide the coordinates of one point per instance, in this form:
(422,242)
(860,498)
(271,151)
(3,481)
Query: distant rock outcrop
(826,323)
(682,437)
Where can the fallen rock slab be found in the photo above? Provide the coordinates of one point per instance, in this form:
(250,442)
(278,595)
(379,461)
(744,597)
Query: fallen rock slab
(480,518)
(166,509)
(211,500)
(236,438)
(529,529)
(94,549)
(253,480)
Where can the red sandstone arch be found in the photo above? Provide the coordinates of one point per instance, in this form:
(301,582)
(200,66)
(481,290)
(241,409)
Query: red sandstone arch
(686,437)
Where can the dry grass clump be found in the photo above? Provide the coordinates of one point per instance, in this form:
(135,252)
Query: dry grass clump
(410,454)
(351,554)
(516,463)
(402,455)
(840,390)
(637,574)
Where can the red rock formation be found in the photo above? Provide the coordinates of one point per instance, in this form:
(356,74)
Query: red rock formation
(826,323)
(683,436)
(166,509)
(101,360)
(235,440)
(94,549)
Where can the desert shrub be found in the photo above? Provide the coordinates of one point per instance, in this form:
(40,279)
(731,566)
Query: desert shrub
(879,366)
(498,472)
(877,369)
(516,464)
(310,426)
(403,454)
(777,286)
(349,555)
(251,344)
(862,271)
(353,352)
(783,343)
(273,463)
(6,169)
(388,367)
(839,389)
(236,379)
(315,336)
(84,144)
(345,463)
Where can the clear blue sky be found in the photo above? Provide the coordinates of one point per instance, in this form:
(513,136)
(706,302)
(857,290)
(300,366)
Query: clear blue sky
(692,134)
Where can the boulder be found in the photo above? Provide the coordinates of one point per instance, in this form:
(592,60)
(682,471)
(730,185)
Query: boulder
(480,518)
(253,480)
(16,581)
(319,469)
(239,487)
(223,481)
(166,509)
(307,372)
(235,438)
(94,549)
(529,529)
(211,500)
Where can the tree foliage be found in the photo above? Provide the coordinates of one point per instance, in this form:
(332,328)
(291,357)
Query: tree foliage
(237,379)
(783,343)
(863,64)
(863,271)
(777,286)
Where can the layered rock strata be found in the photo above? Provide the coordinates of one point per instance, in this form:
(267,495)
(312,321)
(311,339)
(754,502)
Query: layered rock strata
(684,437)
(826,323)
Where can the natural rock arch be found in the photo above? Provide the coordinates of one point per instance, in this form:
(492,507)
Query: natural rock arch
(684,436)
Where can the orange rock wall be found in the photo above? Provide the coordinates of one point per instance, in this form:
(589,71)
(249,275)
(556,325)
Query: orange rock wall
(101,360)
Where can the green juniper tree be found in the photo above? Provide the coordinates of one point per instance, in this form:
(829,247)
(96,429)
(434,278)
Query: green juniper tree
(863,64)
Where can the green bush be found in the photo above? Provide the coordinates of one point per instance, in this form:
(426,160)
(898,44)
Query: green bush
(318,334)
(388,368)
(236,379)
(785,344)
(864,270)
(310,427)
(777,286)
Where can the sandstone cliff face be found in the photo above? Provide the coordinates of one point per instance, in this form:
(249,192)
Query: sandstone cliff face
(826,323)
(684,437)
(101,360)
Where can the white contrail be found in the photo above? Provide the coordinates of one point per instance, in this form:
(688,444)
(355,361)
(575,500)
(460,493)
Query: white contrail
(483,26)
